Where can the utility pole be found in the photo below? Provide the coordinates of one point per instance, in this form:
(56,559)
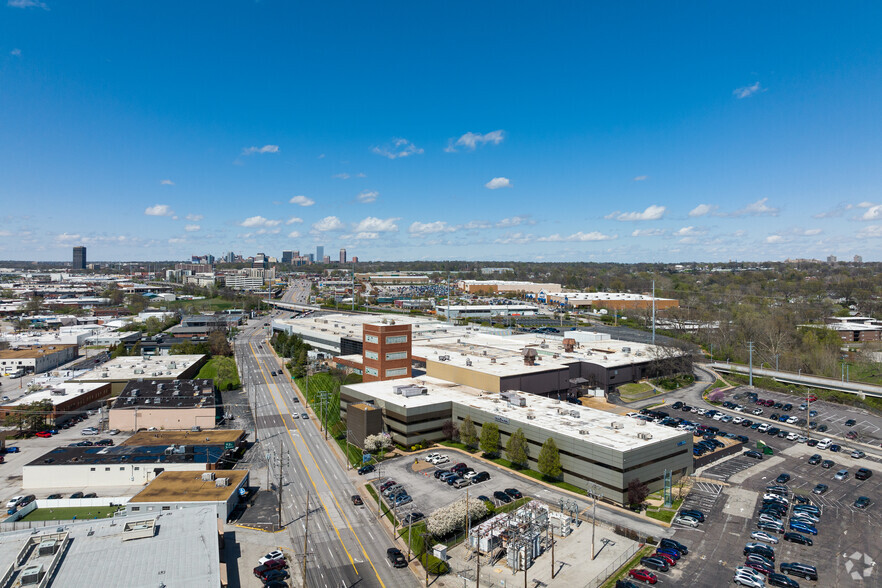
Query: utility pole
(353,288)
(750,351)
(305,540)
(653,312)
(593,492)
(324,395)
(448,296)
(425,557)
(551,528)
(282,457)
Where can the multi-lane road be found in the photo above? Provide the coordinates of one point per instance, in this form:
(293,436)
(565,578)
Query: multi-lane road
(347,545)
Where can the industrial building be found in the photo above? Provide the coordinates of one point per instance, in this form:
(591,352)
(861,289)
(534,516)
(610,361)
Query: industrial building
(120,370)
(485,311)
(36,359)
(170,491)
(611,301)
(175,404)
(505,287)
(168,548)
(68,399)
(595,446)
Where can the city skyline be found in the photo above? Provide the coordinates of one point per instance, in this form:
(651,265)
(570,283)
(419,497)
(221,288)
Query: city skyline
(587,133)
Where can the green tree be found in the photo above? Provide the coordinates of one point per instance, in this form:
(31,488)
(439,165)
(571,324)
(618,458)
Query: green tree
(549,459)
(34,305)
(516,450)
(467,432)
(490,438)
(217,342)
(637,492)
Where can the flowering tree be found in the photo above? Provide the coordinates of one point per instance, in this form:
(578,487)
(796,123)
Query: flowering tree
(447,519)
(377,442)
(717,396)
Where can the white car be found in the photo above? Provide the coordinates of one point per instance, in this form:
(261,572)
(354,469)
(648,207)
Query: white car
(113,432)
(271,555)
(89,431)
(633,414)
(687,521)
(737,420)
(801,439)
(792,436)
(431,456)
(719,416)
(763,536)
(295,415)
(13,502)
(746,571)
(792,420)
(750,581)
(441,459)
(763,428)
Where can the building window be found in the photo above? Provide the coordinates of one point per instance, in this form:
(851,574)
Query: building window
(91,469)
(106,469)
(396,372)
(166,508)
(371,339)
(396,339)
(371,355)
(396,355)
(137,468)
(136,508)
(121,469)
(371,371)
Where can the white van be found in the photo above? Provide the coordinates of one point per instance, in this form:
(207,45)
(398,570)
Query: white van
(825,443)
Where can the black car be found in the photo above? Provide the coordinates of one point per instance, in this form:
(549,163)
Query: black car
(815,459)
(365,469)
(625,584)
(356,500)
(275,575)
(695,514)
(753,454)
(90,495)
(787,406)
(53,497)
(413,517)
(811,442)
(655,563)
(850,423)
(104,442)
(827,464)
(514,493)
(481,477)
(396,558)
(822,428)
(781,580)
(502,497)
(782,479)
(773,431)
(76,495)
(862,474)
(26,500)
(799,569)
(671,544)
(862,502)
(797,538)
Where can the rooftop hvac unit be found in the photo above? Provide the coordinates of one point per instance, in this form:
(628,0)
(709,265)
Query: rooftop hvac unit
(139,371)
(640,422)
(105,375)
(468,362)
(617,425)
(626,349)
(575,414)
(531,417)
(644,436)
(221,482)
(32,575)
(492,360)
(208,477)
(583,431)
(48,547)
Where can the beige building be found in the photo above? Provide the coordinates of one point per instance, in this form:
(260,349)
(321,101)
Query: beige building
(175,404)
(36,359)
(186,489)
(504,287)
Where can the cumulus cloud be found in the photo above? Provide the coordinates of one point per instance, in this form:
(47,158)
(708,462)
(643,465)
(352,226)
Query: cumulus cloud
(758,208)
(689,232)
(194,217)
(748,91)
(265,149)
(166,183)
(329,223)
(365,236)
(476,224)
(872,212)
(159,210)
(342,176)
(840,210)
(515,238)
(418,228)
(703,210)
(27,4)
(67,238)
(397,148)
(772,239)
(293,220)
(259,221)
(514,221)
(578,237)
(368,196)
(192,228)
(497,183)
(652,212)
(641,178)
(293,234)
(373,224)
(648,233)
(471,140)
(302,201)
(870,231)
(15,52)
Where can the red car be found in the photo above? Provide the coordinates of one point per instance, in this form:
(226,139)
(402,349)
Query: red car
(44,434)
(643,576)
(272,564)
(812,398)
(671,561)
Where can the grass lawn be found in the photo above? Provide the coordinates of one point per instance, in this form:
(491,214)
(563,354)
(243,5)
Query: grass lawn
(457,445)
(661,513)
(223,371)
(65,514)
(213,304)
(634,388)
(538,476)
(323,383)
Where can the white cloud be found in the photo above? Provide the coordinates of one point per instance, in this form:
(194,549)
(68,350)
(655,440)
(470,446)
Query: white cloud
(864,204)
(166,183)
(471,140)
(15,52)
(259,221)
(747,91)
(689,232)
(176,240)
(418,228)
(194,217)
(496,183)
(872,212)
(329,223)
(514,221)
(293,219)
(652,212)
(265,149)
(870,231)
(476,224)
(69,238)
(302,201)
(343,176)
(293,234)
(648,233)
(27,4)
(772,239)
(368,196)
(397,148)
(703,210)
(192,228)
(365,236)
(377,225)
(641,178)
(836,212)
(758,208)
(812,232)
(159,210)
(516,238)
(5,233)
(579,237)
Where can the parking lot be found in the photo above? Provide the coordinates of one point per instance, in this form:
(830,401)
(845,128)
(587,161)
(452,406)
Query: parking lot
(845,549)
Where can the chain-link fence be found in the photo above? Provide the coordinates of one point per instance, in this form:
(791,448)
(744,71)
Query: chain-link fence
(611,568)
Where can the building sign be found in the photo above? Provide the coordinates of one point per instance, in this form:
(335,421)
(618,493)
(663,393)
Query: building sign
(229,445)
(502,420)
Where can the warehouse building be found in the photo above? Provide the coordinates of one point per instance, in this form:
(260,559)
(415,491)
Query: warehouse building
(120,370)
(68,399)
(505,287)
(614,301)
(485,311)
(36,359)
(172,491)
(595,446)
(156,404)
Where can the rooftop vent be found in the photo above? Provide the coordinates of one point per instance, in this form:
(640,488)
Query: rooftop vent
(617,425)
(583,431)
(530,356)
(569,345)
(644,436)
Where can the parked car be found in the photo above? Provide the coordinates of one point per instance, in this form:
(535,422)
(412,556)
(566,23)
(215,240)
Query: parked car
(643,575)
(814,459)
(365,469)
(694,513)
(275,576)
(104,442)
(53,497)
(655,563)
(687,521)
(763,536)
(802,527)
(862,474)
(76,495)
(797,538)
(671,544)
(781,581)
(753,454)
(799,569)
(396,558)
(514,493)
(43,434)
(862,502)
(273,564)
(502,497)
(841,475)
(275,554)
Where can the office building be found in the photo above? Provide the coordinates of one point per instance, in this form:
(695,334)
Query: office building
(176,404)
(320,252)
(69,399)
(121,370)
(36,359)
(354,259)
(858,259)
(327,259)
(173,491)
(342,256)
(287,257)
(79,258)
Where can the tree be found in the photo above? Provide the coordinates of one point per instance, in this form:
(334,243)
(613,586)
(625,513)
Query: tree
(516,450)
(490,438)
(467,432)
(637,492)
(449,430)
(549,459)
(217,342)
(34,305)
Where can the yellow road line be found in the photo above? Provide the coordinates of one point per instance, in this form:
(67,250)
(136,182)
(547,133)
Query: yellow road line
(333,496)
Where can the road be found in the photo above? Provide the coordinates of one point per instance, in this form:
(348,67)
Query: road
(346,543)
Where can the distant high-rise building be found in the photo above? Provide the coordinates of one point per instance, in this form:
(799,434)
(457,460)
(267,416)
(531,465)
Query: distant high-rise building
(320,253)
(342,256)
(260,260)
(326,259)
(287,257)
(831,259)
(354,259)
(858,259)
(311,258)
(79,258)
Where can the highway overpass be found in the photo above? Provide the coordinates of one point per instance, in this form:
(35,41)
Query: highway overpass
(799,379)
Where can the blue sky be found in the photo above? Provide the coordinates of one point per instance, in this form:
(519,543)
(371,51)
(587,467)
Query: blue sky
(569,131)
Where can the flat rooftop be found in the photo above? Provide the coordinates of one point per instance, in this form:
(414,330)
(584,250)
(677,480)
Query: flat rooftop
(600,296)
(34,351)
(580,422)
(129,368)
(156,394)
(130,454)
(190,487)
(182,551)
(170,437)
(58,393)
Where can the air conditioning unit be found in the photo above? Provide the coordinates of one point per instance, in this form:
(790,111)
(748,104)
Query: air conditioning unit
(617,425)
(221,482)
(644,436)
(583,431)
(208,477)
